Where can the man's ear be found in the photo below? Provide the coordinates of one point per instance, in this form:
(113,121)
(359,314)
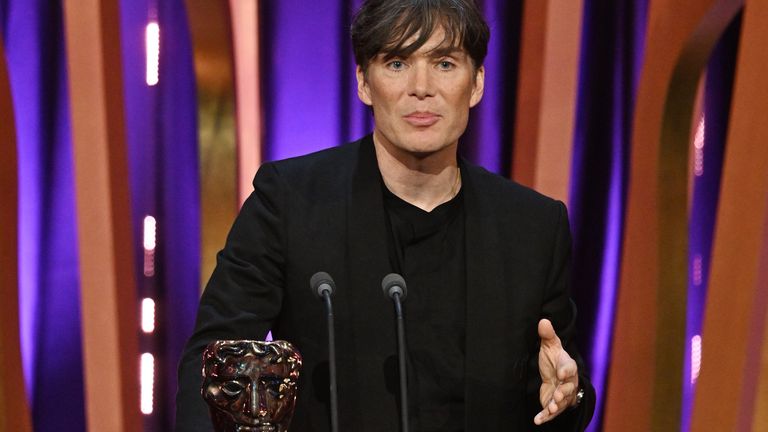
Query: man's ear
(477,90)
(363,91)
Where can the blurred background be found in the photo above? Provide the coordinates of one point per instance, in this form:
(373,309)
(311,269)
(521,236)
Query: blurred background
(130,131)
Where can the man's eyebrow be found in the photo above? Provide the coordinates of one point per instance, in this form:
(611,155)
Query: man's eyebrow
(388,55)
(433,53)
(445,51)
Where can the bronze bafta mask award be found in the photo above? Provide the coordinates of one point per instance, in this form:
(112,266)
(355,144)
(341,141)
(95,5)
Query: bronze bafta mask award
(250,385)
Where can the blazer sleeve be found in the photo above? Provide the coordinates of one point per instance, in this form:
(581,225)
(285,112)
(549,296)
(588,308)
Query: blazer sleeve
(561,311)
(244,294)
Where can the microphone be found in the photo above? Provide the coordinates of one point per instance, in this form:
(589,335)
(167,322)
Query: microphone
(394,288)
(322,283)
(393,284)
(322,286)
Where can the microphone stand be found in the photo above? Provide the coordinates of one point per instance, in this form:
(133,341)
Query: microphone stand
(394,288)
(401,362)
(332,362)
(322,286)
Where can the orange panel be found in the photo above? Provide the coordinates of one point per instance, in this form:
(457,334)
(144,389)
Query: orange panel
(245,32)
(210,24)
(530,78)
(14,413)
(645,380)
(549,68)
(761,403)
(735,318)
(107,281)
(558,98)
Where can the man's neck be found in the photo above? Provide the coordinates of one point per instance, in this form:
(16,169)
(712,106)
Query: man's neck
(423,181)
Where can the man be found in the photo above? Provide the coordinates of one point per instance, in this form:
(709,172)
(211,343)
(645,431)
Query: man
(488,319)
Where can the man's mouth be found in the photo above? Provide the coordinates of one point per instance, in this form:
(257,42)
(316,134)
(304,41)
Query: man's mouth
(422,118)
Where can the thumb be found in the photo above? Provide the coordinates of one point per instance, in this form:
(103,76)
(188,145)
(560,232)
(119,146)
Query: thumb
(547,332)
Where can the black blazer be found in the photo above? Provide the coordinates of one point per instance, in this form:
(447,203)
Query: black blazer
(324,212)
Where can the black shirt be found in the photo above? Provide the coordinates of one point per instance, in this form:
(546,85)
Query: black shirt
(427,249)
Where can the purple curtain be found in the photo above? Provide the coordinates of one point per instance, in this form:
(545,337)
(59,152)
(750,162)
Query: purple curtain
(49,297)
(611,54)
(162,143)
(489,137)
(308,77)
(162,136)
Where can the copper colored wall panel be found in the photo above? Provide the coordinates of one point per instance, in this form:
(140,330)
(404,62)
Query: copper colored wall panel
(530,72)
(559,94)
(761,401)
(645,380)
(108,288)
(735,315)
(211,27)
(547,92)
(245,41)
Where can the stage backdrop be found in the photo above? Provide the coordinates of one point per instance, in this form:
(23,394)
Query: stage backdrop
(308,101)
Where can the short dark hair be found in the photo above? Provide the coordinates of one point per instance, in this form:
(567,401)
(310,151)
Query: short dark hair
(384,26)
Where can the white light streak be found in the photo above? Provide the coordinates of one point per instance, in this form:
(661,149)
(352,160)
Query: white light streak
(148,315)
(150,233)
(150,243)
(697,270)
(147,383)
(695,358)
(698,145)
(153,53)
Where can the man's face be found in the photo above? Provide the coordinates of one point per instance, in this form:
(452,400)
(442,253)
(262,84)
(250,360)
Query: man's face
(421,103)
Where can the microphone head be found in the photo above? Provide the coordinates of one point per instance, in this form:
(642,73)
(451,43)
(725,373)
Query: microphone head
(393,284)
(321,282)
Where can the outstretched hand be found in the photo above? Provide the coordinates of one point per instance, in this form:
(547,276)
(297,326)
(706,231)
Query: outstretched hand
(559,375)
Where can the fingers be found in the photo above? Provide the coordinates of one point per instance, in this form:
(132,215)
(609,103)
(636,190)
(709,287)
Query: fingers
(548,413)
(561,399)
(558,370)
(564,392)
(567,369)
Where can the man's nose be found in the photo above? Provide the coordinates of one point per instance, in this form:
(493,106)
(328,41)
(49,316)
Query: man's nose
(421,84)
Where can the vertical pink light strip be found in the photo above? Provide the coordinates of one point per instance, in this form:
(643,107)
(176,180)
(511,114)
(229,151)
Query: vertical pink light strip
(695,358)
(150,240)
(147,368)
(698,145)
(147,315)
(245,34)
(153,53)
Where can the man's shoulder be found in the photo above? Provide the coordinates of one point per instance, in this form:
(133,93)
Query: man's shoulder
(324,174)
(505,191)
(330,159)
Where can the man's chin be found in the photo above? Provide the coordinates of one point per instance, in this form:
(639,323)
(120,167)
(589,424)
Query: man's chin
(423,149)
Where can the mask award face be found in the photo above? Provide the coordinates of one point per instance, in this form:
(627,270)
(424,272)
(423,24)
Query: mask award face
(249,385)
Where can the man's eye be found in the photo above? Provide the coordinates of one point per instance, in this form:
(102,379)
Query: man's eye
(396,65)
(232,388)
(445,65)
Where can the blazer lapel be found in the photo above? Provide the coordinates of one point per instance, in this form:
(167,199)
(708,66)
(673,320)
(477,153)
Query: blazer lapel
(367,231)
(369,331)
(485,350)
